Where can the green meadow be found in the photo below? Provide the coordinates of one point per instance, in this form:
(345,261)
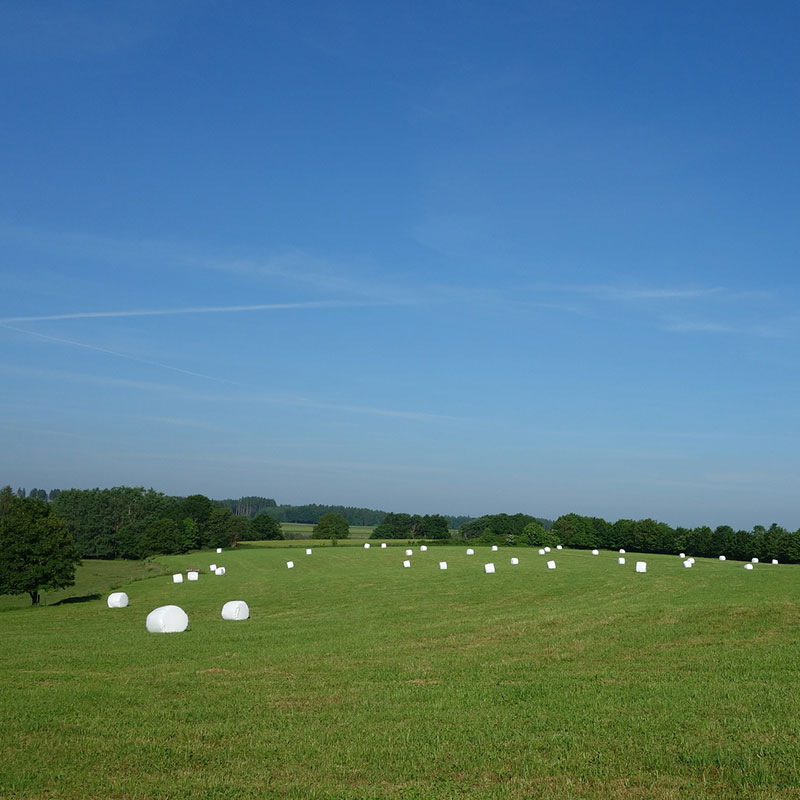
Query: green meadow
(357,678)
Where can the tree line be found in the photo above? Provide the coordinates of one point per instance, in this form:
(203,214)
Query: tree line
(133,522)
(309,514)
(650,536)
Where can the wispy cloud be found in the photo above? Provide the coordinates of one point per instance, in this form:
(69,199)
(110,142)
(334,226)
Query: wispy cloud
(118,354)
(159,312)
(621,293)
(179,421)
(255,397)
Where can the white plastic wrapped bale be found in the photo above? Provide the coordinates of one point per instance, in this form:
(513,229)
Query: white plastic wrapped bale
(754,560)
(547,549)
(290,564)
(383,545)
(681,555)
(442,565)
(748,566)
(621,552)
(192,575)
(774,560)
(409,552)
(688,563)
(559,547)
(219,550)
(406,564)
(620,560)
(423,548)
(691,558)
(308,551)
(366,545)
(722,558)
(488,568)
(641,566)
(212,567)
(515,561)
(235,610)
(595,552)
(219,571)
(470,551)
(177,577)
(117,600)
(551,565)
(167,619)
(494,548)
(541,551)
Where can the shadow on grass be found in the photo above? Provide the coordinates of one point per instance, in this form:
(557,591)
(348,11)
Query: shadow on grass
(79,599)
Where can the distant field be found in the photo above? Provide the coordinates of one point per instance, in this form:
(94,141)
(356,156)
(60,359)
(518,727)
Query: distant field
(358,679)
(293,530)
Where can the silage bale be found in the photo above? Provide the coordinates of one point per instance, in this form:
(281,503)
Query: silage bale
(470,551)
(366,545)
(641,566)
(308,551)
(541,551)
(547,549)
(193,575)
(219,550)
(551,565)
(774,560)
(167,619)
(442,565)
(754,560)
(423,548)
(177,577)
(409,552)
(494,548)
(406,564)
(212,567)
(488,568)
(722,558)
(595,552)
(235,610)
(117,600)
(688,563)
(290,564)
(620,560)
(383,545)
(559,547)
(219,571)
(748,566)
(515,561)
(621,552)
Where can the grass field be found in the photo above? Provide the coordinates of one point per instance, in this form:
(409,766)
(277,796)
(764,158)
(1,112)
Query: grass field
(356,678)
(93,578)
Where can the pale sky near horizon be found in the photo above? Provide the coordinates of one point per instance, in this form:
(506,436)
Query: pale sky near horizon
(462,257)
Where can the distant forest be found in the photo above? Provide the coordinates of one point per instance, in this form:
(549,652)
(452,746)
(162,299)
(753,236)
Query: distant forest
(126,522)
(310,514)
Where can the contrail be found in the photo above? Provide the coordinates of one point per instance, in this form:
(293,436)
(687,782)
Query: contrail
(161,312)
(119,355)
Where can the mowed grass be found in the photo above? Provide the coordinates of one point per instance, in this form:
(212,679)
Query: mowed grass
(357,678)
(92,579)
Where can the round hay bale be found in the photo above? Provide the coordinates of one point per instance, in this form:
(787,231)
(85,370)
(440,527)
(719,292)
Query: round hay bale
(117,600)
(167,619)
(235,610)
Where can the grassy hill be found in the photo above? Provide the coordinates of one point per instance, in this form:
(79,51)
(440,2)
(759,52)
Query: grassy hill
(357,678)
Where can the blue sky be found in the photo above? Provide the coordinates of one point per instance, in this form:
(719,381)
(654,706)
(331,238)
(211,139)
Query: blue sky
(455,257)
